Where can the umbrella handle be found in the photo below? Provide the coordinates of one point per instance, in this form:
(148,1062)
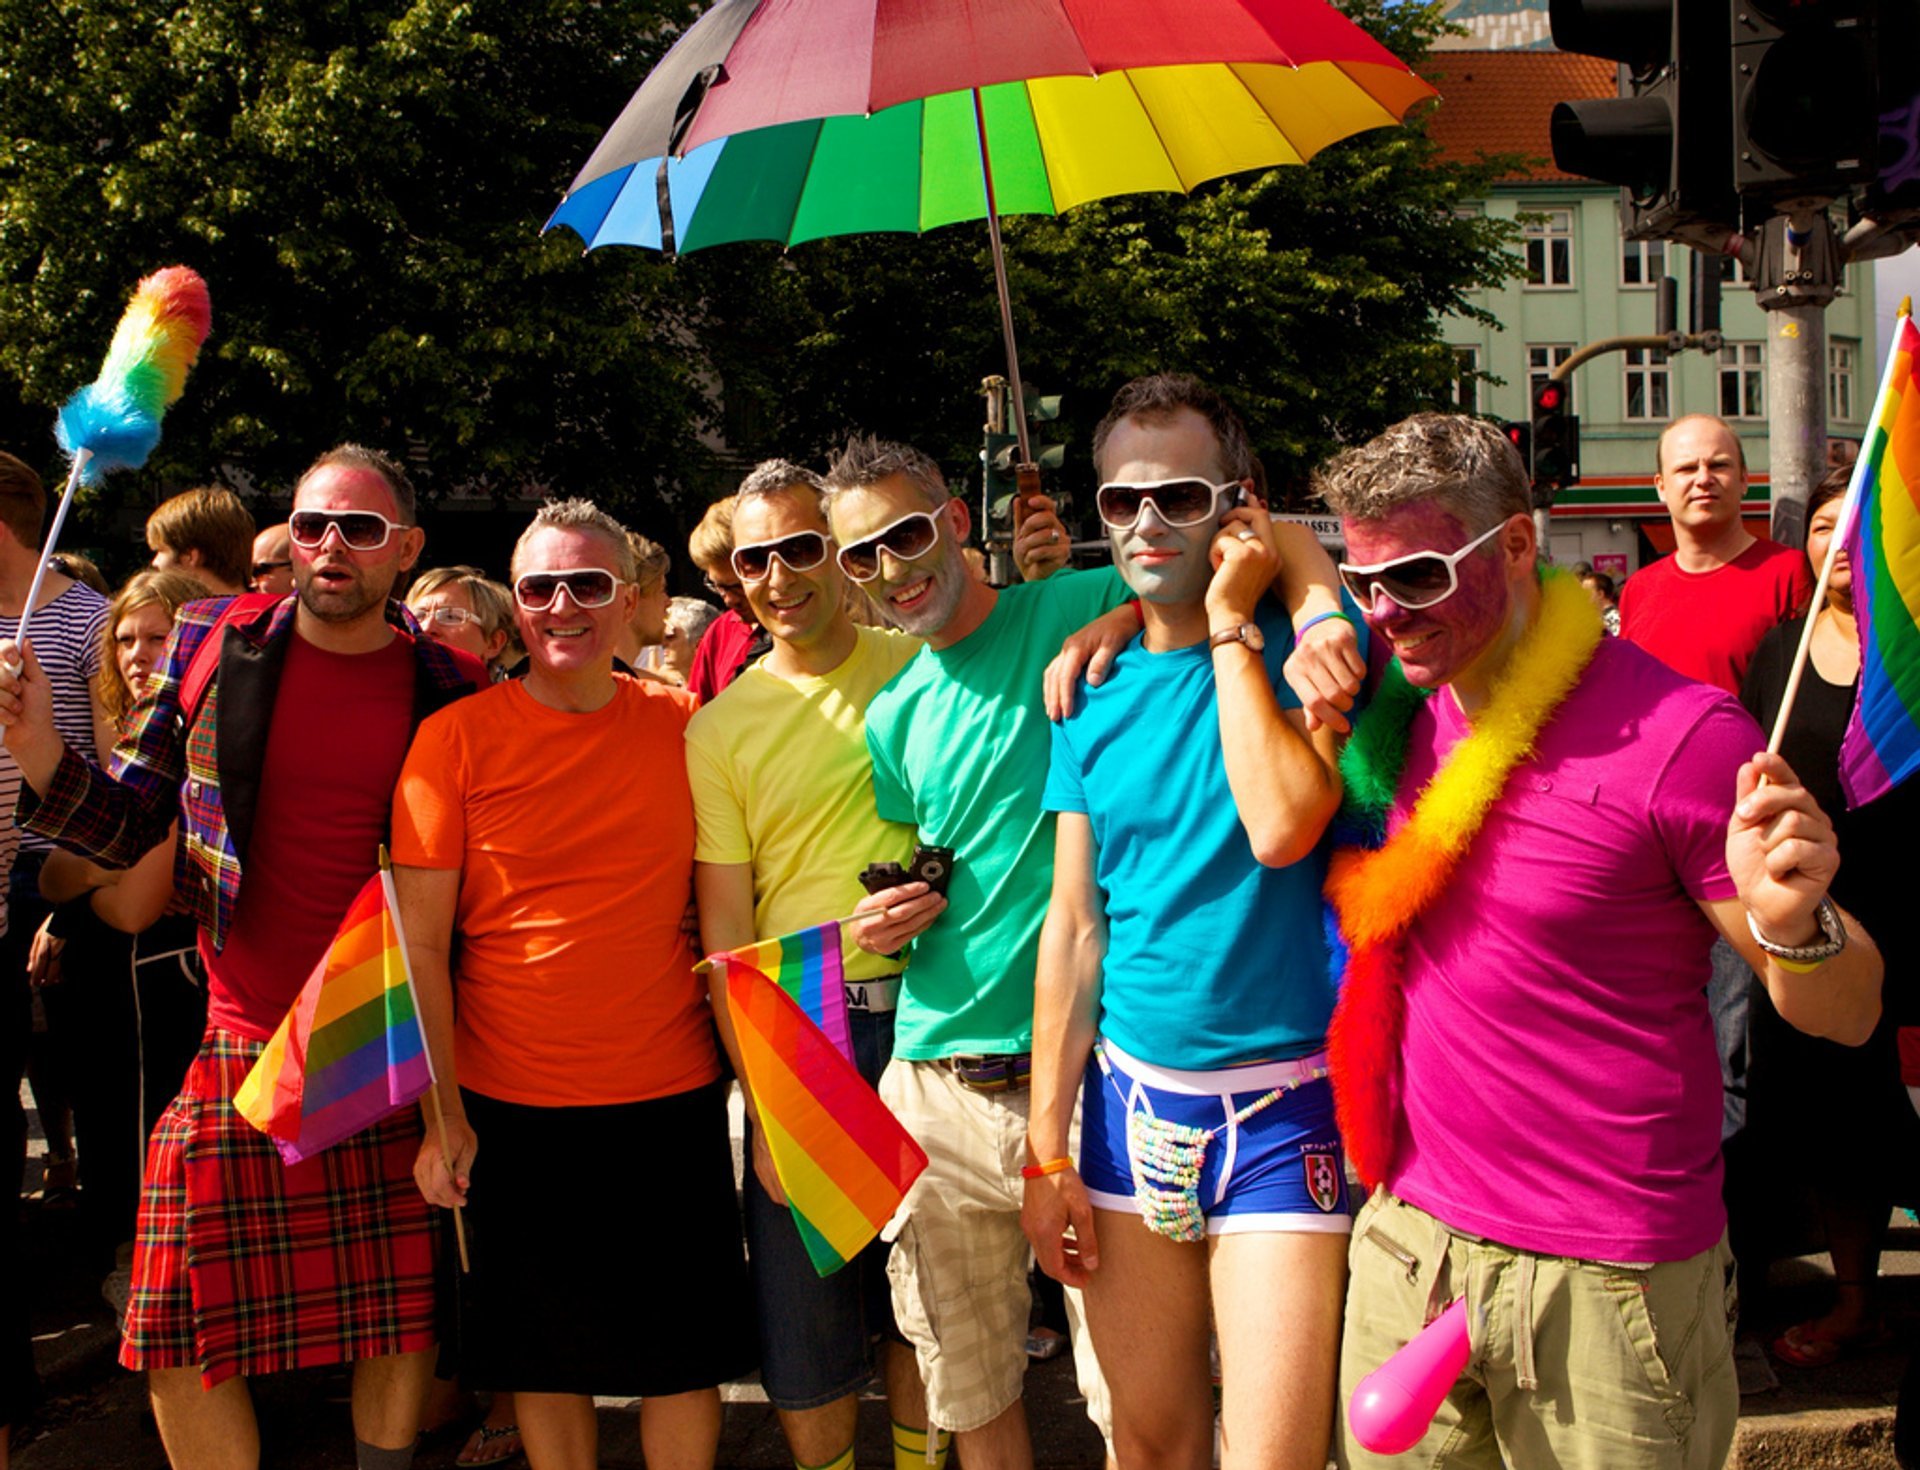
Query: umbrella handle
(1006,312)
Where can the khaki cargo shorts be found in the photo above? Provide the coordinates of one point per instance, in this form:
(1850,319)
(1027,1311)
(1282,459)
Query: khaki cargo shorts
(960,1261)
(1586,1365)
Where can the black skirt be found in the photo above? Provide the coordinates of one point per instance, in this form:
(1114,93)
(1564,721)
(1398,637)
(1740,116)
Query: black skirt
(606,1249)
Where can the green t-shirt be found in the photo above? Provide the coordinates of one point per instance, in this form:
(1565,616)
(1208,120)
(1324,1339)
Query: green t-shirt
(960,747)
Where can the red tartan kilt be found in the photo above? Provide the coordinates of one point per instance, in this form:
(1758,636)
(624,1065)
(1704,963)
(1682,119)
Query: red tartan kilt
(246,1264)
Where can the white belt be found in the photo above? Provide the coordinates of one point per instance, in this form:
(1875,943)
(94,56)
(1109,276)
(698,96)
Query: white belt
(882,994)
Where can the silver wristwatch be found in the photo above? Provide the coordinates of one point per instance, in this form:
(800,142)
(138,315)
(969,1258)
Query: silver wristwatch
(1807,954)
(1247,633)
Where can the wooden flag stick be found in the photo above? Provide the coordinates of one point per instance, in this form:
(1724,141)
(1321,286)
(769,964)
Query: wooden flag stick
(433,1075)
(446,1155)
(1842,527)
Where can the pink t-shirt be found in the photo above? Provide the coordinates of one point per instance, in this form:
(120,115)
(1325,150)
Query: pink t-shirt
(1707,624)
(1559,1087)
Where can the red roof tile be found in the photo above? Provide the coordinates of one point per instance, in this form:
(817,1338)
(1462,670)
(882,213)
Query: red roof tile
(1498,102)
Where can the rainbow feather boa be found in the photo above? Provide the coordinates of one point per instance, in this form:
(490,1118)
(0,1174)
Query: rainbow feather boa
(1377,888)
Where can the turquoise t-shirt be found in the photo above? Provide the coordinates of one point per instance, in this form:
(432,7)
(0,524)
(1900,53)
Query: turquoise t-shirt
(959,744)
(1211,958)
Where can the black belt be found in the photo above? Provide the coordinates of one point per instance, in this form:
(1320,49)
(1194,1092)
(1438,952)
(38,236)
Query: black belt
(997,1073)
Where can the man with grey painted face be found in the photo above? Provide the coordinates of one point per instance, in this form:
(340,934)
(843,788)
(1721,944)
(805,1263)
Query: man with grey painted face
(1191,800)
(1522,1057)
(959,742)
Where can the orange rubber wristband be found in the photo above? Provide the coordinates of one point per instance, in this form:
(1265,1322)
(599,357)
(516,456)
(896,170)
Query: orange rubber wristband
(1040,1171)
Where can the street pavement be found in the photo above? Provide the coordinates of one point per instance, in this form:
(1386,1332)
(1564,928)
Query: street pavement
(93,1414)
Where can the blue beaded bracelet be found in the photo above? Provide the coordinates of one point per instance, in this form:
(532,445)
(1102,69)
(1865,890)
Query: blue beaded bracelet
(1301,632)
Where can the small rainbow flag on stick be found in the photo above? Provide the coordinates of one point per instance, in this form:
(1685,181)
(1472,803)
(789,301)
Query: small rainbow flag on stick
(843,1159)
(351,1050)
(808,967)
(1882,744)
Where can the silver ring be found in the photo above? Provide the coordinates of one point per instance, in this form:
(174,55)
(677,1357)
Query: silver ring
(1052,536)
(1245,535)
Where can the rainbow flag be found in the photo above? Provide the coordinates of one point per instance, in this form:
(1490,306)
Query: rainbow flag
(808,967)
(1882,744)
(351,1050)
(843,1159)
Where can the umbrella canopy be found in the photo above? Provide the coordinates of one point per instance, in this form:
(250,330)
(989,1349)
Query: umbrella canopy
(791,120)
(1055,142)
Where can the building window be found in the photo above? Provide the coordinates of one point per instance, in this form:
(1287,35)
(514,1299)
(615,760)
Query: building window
(1733,272)
(1542,359)
(1642,262)
(1743,380)
(1841,356)
(1649,389)
(1549,246)
(1466,379)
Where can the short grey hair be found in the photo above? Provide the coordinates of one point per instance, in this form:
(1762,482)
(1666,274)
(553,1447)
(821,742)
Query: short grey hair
(694,614)
(1466,464)
(868,460)
(774,477)
(576,514)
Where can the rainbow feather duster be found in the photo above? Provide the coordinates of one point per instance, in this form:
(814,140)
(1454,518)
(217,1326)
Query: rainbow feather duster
(115,420)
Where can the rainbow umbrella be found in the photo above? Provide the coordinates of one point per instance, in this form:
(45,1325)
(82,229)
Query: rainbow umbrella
(794,120)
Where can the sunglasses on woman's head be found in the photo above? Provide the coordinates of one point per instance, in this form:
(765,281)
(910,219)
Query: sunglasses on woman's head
(800,552)
(587,587)
(907,539)
(360,530)
(1422,579)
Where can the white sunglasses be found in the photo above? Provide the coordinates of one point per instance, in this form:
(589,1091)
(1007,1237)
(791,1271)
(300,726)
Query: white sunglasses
(1421,579)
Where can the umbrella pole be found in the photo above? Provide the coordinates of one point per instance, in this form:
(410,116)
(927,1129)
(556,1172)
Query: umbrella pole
(1026,467)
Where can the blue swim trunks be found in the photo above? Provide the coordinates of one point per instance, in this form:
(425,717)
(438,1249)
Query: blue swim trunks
(1255,1161)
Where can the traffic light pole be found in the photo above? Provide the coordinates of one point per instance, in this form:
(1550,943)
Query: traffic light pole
(1797,273)
(1669,342)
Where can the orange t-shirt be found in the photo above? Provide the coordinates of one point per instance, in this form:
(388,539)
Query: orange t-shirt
(573,834)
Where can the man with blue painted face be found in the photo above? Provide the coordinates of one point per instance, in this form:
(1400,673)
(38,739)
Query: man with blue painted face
(1182,990)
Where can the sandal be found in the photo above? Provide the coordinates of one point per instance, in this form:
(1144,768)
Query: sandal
(490,1446)
(1806,1346)
(1044,1345)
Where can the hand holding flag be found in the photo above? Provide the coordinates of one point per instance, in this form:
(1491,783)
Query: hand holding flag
(842,1158)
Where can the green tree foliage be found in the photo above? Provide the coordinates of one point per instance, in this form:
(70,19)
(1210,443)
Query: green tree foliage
(1312,297)
(362,183)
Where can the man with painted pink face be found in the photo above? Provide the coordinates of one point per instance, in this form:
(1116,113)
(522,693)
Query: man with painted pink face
(244,1264)
(1523,1060)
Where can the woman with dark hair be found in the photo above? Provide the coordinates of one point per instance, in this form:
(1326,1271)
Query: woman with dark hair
(1839,1115)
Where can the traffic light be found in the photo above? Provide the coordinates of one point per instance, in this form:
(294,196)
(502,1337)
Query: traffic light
(1556,438)
(1664,139)
(1805,119)
(1520,436)
(1002,451)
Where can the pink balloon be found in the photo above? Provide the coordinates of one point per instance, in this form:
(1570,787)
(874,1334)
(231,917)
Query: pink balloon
(1394,1405)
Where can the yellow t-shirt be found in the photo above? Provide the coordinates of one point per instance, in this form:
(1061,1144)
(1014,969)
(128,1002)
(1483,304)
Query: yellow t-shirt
(781,780)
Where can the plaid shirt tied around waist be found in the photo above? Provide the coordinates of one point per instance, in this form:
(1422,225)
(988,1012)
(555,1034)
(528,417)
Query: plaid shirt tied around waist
(164,769)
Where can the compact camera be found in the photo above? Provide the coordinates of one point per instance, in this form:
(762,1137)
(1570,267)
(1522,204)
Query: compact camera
(932,866)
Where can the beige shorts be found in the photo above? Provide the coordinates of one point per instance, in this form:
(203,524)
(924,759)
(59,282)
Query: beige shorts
(1580,1364)
(960,1261)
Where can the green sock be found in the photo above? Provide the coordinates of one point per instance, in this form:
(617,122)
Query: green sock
(910,1448)
(841,1461)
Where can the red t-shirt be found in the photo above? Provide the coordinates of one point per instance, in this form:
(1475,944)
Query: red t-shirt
(716,662)
(341,725)
(1706,625)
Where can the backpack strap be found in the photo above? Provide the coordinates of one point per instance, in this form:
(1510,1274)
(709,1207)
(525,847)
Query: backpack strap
(206,658)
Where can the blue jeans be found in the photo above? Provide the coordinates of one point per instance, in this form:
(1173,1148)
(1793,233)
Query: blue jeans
(1728,996)
(817,1333)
